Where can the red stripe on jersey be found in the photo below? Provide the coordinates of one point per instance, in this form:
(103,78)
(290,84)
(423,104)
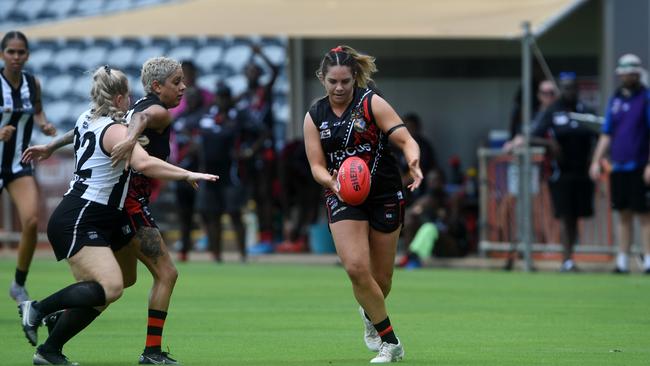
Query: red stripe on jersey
(366,113)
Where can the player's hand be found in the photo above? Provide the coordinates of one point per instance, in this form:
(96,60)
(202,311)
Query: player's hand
(6,132)
(194,178)
(416,174)
(49,129)
(333,184)
(594,171)
(122,151)
(516,142)
(35,153)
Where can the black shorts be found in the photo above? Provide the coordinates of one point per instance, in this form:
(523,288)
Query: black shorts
(629,191)
(8,177)
(76,223)
(139,213)
(572,196)
(216,198)
(384,212)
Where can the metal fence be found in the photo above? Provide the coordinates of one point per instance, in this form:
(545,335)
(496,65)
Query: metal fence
(500,208)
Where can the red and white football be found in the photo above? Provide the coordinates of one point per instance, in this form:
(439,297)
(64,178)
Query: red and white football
(354,180)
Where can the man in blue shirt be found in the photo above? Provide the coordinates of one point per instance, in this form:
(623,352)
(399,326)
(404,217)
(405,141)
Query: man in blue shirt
(627,133)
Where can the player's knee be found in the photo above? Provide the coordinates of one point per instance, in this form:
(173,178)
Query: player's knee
(113,289)
(359,274)
(168,274)
(30,222)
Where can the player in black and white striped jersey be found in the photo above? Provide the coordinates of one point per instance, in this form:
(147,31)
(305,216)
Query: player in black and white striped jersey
(20,107)
(89,224)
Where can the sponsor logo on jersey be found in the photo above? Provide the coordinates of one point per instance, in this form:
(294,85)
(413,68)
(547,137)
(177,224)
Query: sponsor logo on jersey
(325,134)
(323,125)
(360,124)
(93,235)
(340,155)
(343,208)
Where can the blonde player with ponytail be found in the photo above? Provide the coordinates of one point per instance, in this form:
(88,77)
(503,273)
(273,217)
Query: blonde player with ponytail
(90,222)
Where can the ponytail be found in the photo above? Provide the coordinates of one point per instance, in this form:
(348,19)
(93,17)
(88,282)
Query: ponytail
(107,84)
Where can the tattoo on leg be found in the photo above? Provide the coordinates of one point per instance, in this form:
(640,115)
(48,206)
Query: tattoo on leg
(150,242)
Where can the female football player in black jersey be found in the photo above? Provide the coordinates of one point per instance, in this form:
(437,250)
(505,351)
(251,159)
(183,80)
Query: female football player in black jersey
(20,106)
(352,120)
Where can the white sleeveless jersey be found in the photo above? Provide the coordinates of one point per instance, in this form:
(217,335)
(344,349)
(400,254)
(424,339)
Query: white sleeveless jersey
(16,109)
(94,178)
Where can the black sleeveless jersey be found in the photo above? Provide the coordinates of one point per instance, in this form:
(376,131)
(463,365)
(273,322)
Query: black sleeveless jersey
(16,109)
(355,133)
(156,144)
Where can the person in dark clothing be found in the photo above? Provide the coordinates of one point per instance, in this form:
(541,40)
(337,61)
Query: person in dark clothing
(570,144)
(516,114)
(218,137)
(258,157)
(300,195)
(184,129)
(428,157)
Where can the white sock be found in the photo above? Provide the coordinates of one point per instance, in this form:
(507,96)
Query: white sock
(622,261)
(646,261)
(568,264)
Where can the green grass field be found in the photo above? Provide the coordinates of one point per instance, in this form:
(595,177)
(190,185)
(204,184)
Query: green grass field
(266,314)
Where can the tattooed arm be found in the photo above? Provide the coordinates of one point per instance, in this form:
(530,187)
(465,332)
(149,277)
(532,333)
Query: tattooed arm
(42,152)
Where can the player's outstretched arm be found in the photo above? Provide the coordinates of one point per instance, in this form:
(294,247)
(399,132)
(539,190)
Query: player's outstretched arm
(149,165)
(42,152)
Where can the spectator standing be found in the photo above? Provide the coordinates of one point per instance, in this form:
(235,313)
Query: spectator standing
(184,130)
(217,139)
(257,149)
(570,144)
(626,133)
(428,156)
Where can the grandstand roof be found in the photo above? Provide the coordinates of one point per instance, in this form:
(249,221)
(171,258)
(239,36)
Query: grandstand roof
(463,19)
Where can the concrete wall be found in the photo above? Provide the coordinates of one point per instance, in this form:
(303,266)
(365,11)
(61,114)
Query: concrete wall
(625,30)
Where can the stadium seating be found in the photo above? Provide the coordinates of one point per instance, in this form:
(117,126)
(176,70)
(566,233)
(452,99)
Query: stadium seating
(64,66)
(17,13)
